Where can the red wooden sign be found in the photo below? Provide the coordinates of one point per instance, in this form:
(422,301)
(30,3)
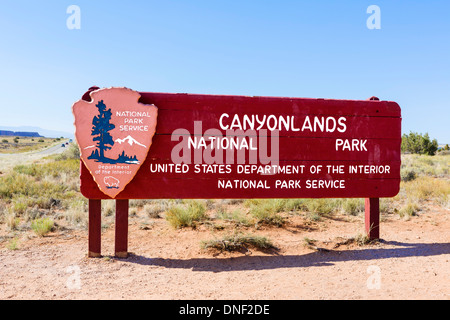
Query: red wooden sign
(212,146)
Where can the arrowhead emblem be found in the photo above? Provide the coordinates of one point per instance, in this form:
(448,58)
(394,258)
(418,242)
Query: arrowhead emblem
(114,132)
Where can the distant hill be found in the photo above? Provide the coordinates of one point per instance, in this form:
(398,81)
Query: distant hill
(19,133)
(26,130)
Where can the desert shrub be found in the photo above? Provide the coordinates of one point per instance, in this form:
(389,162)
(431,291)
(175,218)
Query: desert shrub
(3,209)
(315,209)
(26,169)
(186,214)
(232,201)
(32,214)
(54,169)
(321,206)
(386,205)
(236,216)
(409,210)
(407,174)
(427,188)
(237,242)
(361,239)
(19,205)
(267,211)
(153,210)
(44,185)
(11,220)
(138,203)
(293,204)
(42,226)
(77,213)
(436,166)
(108,207)
(309,243)
(72,152)
(13,244)
(352,206)
(15,186)
(47,185)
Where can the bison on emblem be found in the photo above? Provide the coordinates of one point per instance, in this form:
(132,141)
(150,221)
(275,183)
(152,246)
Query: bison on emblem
(111,182)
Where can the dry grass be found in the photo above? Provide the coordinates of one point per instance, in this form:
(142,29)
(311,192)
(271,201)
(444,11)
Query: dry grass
(428,188)
(48,186)
(235,216)
(42,226)
(187,214)
(267,211)
(238,242)
(13,144)
(425,179)
(409,209)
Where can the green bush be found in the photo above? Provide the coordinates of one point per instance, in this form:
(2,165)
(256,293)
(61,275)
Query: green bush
(186,215)
(13,244)
(409,210)
(266,211)
(417,143)
(236,217)
(238,242)
(407,175)
(352,206)
(41,185)
(321,206)
(42,226)
(153,210)
(71,153)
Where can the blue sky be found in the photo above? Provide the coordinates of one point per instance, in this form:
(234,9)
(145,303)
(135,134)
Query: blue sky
(314,49)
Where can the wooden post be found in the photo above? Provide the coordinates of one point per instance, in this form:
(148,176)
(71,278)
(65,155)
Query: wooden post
(95,212)
(121,245)
(372,209)
(95,228)
(372,217)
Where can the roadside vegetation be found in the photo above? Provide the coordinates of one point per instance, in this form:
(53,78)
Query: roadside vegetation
(36,195)
(12,144)
(43,197)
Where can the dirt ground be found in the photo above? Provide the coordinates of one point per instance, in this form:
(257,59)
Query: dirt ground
(410,262)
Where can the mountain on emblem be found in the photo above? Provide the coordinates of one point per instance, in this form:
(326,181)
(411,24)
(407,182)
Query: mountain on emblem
(130,140)
(100,125)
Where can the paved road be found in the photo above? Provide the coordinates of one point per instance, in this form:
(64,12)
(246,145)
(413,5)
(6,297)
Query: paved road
(10,160)
(45,152)
(55,149)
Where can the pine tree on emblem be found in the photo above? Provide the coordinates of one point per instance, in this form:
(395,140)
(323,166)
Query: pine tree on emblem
(100,129)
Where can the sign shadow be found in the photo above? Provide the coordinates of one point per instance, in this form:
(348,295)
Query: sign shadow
(314,259)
